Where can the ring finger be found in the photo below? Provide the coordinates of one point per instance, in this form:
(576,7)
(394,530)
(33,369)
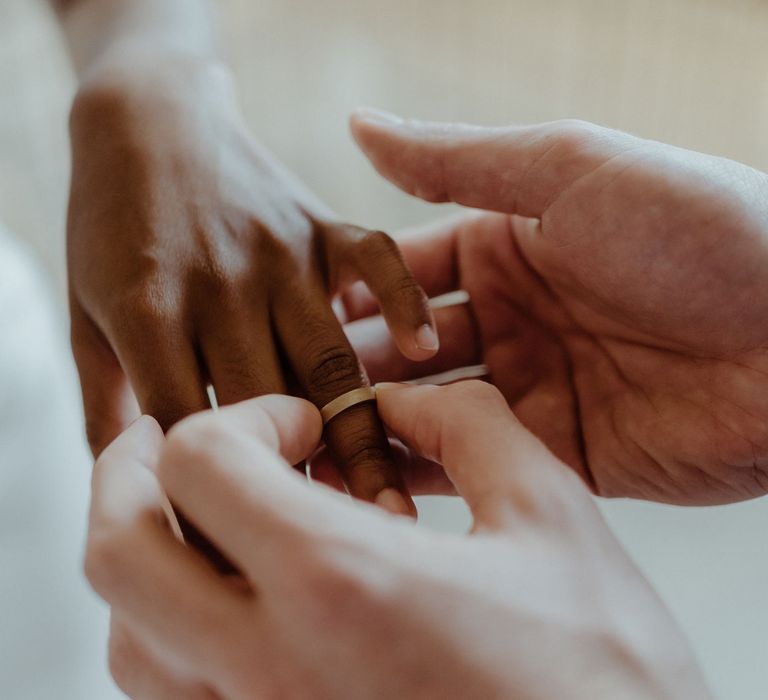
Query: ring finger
(326,367)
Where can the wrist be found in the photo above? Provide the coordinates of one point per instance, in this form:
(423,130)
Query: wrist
(136,72)
(149,88)
(100,30)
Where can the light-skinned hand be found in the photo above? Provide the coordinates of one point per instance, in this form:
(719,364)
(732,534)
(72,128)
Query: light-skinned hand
(619,296)
(341,600)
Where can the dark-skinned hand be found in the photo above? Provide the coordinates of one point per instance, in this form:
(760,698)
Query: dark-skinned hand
(196,258)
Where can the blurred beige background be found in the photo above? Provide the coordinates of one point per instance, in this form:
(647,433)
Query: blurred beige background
(691,72)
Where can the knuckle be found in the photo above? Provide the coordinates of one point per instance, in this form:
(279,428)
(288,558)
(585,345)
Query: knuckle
(244,377)
(334,371)
(576,126)
(223,277)
(149,304)
(407,292)
(574,137)
(575,131)
(395,280)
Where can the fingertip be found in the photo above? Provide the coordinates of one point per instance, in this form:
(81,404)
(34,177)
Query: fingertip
(402,405)
(137,447)
(418,346)
(145,426)
(294,407)
(297,422)
(427,417)
(372,116)
(396,502)
(307,415)
(368,124)
(142,437)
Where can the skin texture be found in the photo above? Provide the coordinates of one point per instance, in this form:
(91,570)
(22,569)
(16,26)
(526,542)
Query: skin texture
(195,258)
(341,600)
(619,297)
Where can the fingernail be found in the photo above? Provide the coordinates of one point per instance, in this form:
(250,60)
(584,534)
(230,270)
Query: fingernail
(377,116)
(426,338)
(393,502)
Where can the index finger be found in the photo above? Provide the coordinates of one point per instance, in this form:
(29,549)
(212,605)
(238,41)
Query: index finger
(430,253)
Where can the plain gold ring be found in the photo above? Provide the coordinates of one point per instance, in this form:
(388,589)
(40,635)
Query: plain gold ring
(345,401)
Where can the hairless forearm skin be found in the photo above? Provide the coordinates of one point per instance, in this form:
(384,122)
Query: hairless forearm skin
(102,30)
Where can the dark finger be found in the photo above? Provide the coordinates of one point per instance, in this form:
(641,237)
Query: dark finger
(164,369)
(377,260)
(108,401)
(460,346)
(161,362)
(422,476)
(326,367)
(430,254)
(241,358)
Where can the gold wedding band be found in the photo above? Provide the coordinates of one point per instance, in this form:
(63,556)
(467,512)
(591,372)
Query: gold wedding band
(345,401)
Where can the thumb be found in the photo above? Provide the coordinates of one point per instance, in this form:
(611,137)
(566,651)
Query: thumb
(498,467)
(290,426)
(513,170)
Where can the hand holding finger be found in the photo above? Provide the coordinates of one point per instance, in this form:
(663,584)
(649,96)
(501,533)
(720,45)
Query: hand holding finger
(497,466)
(128,532)
(327,368)
(246,450)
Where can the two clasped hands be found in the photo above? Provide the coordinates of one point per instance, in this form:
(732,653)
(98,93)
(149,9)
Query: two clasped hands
(619,298)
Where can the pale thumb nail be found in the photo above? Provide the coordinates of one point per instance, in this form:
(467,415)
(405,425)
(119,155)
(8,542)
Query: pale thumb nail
(377,116)
(394,502)
(426,338)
